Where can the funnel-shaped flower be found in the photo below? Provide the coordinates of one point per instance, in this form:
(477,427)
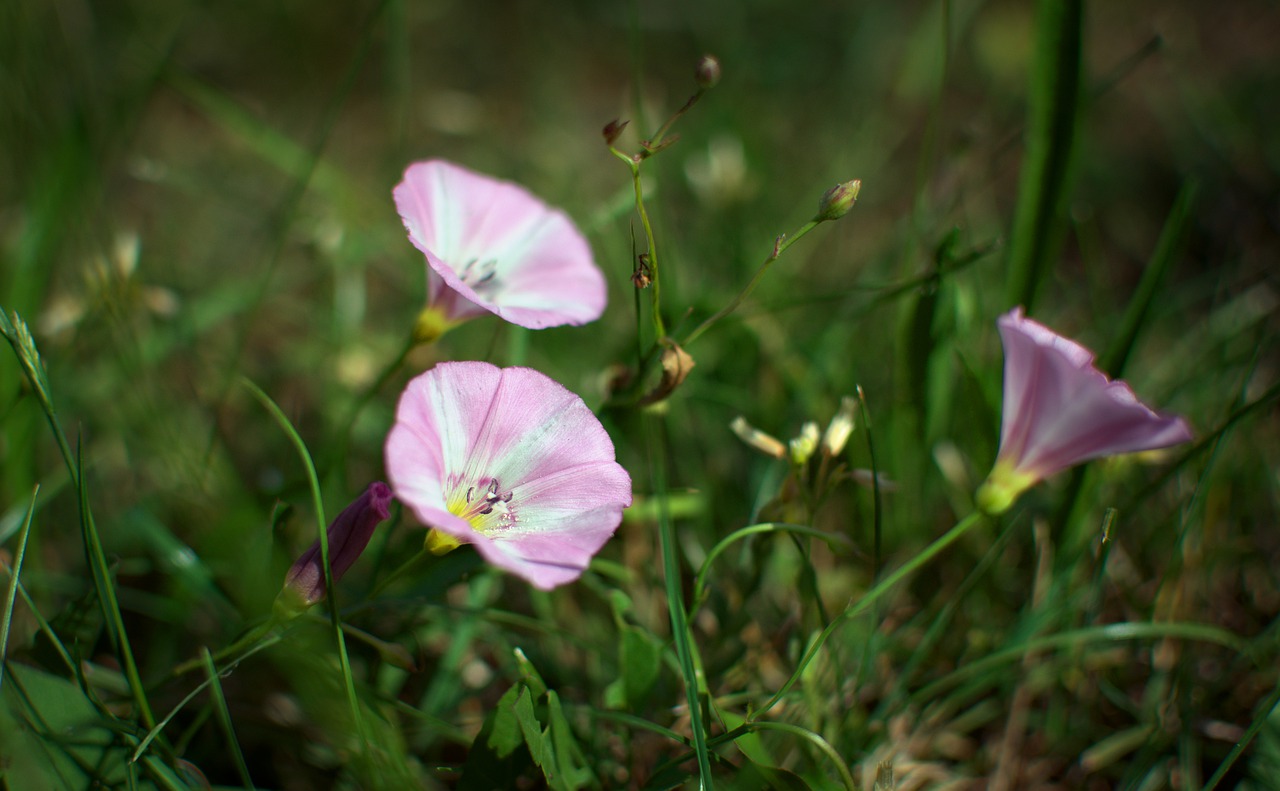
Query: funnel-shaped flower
(492,246)
(510,461)
(348,535)
(1059,410)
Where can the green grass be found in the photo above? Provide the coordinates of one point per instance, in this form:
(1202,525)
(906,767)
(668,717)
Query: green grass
(192,197)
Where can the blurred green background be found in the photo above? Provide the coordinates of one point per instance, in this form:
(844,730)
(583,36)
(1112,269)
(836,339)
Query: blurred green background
(195,192)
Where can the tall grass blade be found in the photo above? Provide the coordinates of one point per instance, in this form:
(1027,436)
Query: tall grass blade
(680,633)
(6,620)
(322,528)
(18,335)
(224,718)
(1168,248)
(105,586)
(1052,129)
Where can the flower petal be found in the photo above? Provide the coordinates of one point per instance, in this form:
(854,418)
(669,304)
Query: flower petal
(541,271)
(1059,410)
(466,425)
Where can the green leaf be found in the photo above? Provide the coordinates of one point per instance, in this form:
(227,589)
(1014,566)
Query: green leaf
(531,729)
(498,757)
(54,737)
(641,664)
(504,735)
(571,774)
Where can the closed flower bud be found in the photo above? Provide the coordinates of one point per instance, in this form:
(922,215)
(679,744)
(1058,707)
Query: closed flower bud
(838,200)
(839,429)
(758,439)
(803,446)
(348,535)
(707,74)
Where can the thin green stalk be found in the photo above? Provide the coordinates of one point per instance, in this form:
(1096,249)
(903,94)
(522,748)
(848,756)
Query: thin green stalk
(780,246)
(162,724)
(875,483)
(939,624)
(655,270)
(680,632)
(400,571)
(700,581)
(224,717)
(1172,239)
(864,603)
(249,640)
(7,619)
(323,530)
(101,571)
(1264,713)
(846,777)
(19,336)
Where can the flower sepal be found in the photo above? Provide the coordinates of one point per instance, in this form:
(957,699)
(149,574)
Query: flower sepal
(1003,486)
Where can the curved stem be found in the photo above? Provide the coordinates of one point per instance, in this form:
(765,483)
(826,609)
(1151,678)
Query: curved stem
(863,604)
(822,744)
(699,584)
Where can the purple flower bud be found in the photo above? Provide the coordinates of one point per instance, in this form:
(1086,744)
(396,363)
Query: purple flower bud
(349,534)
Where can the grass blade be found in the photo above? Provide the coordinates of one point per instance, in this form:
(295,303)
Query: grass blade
(1053,124)
(6,619)
(322,527)
(1172,238)
(680,633)
(224,717)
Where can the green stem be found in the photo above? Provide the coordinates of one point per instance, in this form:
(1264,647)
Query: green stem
(248,640)
(6,619)
(655,285)
(322,528)
(846,777)
(779,247)
(700,581)
(680,632)
(1264,714)
(863,604)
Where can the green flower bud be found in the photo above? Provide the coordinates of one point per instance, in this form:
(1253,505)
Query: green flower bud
(838,200)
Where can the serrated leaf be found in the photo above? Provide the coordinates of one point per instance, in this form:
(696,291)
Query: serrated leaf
(504,736)
(497,757)
(531,729)
(571,774)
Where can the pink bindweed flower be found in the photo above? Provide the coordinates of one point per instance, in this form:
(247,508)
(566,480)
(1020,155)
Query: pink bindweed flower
(1059,410)
(510,461)
(348,534)
(492,246)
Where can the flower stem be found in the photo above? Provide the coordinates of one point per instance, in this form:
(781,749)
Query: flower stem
(871,596)
(779,247)
(655,287)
